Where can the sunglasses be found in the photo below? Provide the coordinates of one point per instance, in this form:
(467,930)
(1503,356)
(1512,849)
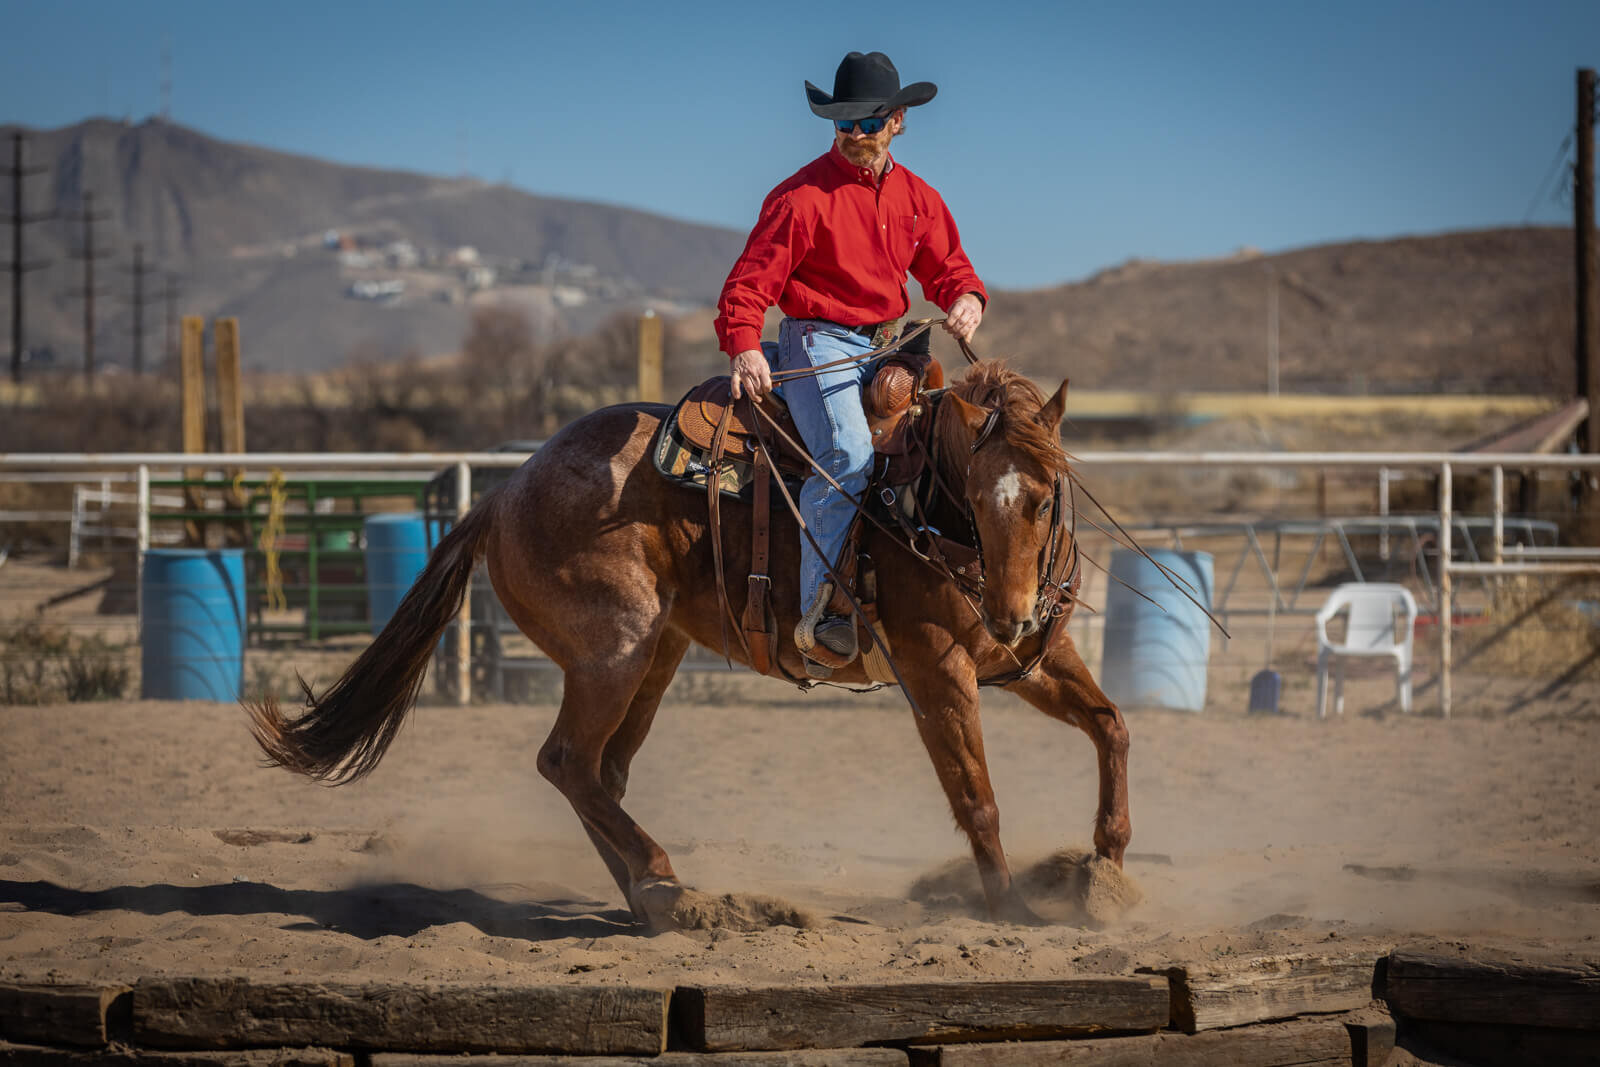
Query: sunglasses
(867,126)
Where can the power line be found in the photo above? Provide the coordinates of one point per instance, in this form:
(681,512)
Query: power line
(1561,154)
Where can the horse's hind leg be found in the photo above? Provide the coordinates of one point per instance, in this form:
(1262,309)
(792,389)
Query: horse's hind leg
(1063,688)
(624,744)
(600,695)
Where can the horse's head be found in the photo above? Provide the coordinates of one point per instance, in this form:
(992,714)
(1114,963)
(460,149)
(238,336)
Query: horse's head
(1001,446)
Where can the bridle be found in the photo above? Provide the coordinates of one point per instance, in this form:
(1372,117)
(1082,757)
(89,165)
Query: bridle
(1056,592)
(1058,576)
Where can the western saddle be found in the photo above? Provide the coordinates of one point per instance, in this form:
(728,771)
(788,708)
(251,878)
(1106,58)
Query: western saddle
(713,444)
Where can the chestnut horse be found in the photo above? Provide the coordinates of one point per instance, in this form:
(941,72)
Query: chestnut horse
(609,569)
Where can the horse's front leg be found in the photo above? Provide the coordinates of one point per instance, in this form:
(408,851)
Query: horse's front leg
(1063,688)
(953,736)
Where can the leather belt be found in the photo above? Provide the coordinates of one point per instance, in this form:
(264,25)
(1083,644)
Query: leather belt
(878,334)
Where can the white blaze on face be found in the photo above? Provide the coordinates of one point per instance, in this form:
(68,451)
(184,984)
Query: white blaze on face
(1008,489)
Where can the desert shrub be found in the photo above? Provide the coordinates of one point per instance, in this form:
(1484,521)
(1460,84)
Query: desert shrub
(138,415)
(29,654)
(91,669)
(43,664)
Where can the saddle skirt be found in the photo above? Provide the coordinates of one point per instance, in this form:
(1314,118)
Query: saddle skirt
(893,402)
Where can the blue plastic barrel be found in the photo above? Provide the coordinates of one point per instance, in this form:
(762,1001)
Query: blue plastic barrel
(1156,653)
(192,624)
(396,552)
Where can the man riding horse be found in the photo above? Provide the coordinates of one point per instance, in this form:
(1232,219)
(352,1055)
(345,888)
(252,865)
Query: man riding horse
(605,571)
(832,248)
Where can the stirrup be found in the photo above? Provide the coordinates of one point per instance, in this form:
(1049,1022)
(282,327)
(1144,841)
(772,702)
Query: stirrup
(816,670)
(815,651)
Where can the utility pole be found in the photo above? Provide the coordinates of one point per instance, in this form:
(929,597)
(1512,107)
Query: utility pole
(139,270)
(18,265)
(1272,330)
(169,294)
(89,254)
(166,79)
(1588,326)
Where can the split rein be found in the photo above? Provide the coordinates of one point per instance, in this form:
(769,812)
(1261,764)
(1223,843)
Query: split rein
(913,331)
(1056,590)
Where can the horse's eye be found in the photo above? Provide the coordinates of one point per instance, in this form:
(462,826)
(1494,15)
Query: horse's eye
(1044,508)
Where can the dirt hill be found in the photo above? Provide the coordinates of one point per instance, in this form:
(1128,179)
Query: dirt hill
(1485,311)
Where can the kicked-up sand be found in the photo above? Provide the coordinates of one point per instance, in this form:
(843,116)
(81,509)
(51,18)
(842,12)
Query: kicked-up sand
(144,839)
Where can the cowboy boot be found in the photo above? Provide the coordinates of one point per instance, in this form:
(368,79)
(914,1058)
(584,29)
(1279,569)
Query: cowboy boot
(836,630)
(825,636)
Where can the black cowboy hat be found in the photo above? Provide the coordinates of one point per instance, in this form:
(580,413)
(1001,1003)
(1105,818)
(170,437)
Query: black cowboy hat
(867,85)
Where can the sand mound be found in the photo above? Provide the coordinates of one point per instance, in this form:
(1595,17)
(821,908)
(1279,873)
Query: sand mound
(671,906)
(1071,885)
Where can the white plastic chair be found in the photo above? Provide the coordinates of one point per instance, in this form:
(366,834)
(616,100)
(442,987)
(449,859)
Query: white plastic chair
(1370,630)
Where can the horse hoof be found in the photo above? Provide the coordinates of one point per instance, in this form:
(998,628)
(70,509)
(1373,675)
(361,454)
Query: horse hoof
(654,903)
(664,904)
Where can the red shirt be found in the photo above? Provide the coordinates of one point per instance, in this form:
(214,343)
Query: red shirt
(833,243)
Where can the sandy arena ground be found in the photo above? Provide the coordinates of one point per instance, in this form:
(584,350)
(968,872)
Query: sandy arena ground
(143,838)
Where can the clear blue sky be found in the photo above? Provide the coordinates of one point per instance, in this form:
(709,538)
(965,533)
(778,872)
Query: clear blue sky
(1066,136)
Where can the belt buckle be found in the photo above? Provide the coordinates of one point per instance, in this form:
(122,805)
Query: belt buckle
(884,333)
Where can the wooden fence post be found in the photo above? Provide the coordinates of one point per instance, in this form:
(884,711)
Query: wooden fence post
(650,385)
(230,401)
(192,372)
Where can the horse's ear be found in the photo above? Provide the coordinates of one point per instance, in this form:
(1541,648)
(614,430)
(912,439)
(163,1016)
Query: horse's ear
(972,416)
(1050,415)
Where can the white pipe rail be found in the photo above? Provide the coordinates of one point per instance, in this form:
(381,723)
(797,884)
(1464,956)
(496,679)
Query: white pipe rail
(1555,551)
(433,462)
(83,524)
(1444,464)
(261,462)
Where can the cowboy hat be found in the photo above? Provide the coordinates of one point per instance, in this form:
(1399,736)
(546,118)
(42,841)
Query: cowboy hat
(866,85)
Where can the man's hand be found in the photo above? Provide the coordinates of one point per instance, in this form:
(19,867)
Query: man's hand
(964,316)
(751,373)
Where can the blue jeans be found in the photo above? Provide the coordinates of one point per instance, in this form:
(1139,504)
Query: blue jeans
(827,411)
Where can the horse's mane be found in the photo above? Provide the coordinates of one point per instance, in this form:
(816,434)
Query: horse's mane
(990,384)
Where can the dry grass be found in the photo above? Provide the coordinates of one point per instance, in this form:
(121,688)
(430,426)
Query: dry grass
(49,664)
(1539,628)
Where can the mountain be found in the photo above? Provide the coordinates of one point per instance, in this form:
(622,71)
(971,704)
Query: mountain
(282,241)
(323,262)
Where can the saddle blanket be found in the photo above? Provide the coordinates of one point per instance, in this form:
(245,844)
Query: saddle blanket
(679,459)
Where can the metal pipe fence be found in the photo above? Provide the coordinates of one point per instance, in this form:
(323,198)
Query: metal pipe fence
(1532,550)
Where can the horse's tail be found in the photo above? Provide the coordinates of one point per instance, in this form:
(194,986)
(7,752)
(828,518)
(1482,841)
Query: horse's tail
(342,735)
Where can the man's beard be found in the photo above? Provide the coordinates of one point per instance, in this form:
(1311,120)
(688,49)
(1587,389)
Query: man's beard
(862,151)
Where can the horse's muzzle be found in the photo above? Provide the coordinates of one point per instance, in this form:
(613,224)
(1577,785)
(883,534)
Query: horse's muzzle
(1009,631)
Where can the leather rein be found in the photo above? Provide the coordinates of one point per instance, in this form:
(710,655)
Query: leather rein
(1059,572)
(1059,576)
